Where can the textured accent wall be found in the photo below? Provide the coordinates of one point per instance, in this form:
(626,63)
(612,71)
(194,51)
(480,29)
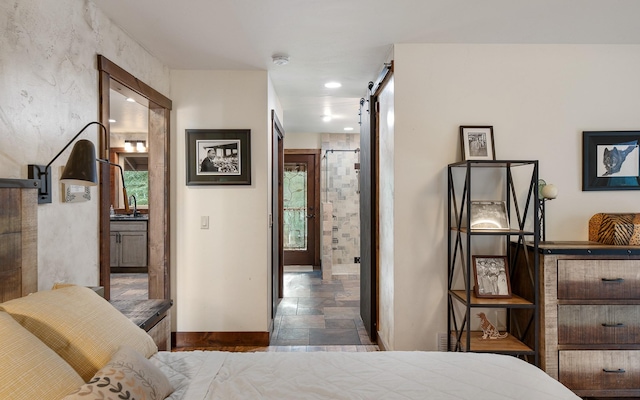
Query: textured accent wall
(339,183)
(49,87)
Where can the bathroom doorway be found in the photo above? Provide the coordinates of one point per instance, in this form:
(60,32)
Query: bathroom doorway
(112,76)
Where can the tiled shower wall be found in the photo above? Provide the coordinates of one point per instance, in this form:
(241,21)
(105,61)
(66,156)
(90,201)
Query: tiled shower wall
(339,184)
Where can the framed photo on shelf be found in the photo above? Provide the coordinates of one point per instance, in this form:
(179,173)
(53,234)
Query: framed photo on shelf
(218,156)
(610,160)
(491,214)
(477,143)
(491,277)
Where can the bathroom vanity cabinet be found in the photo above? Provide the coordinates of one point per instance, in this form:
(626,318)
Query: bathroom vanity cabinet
(129,246)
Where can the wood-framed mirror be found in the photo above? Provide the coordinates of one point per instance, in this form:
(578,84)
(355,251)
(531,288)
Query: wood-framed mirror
(113,78)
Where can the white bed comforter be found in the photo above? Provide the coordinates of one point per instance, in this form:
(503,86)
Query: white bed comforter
(212,375)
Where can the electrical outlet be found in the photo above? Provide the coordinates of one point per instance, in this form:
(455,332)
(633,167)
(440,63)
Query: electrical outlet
(356,260)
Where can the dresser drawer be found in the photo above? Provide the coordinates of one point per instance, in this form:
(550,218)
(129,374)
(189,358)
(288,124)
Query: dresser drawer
(598,279)
(600,370)
(598,324)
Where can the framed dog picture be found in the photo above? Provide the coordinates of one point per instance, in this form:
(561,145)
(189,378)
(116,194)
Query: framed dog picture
(611,160)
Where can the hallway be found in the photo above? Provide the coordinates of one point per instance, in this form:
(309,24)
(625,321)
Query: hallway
(313,315)
(314,312)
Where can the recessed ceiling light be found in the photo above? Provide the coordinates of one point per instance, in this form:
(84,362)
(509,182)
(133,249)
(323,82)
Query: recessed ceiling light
(326,118)
(348,128)
(111,120)
(131,100)
(279,59)
(332,85)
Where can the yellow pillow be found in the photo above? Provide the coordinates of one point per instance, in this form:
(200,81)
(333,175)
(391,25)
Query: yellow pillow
(79,325)
(28,368)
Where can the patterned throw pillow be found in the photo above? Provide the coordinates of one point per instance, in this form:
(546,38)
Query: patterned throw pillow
(128,376)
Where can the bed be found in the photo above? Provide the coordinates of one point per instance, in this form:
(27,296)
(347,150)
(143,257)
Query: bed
(70,343)
(377,375)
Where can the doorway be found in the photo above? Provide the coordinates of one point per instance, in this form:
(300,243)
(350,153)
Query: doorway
(111,77)
(301,208)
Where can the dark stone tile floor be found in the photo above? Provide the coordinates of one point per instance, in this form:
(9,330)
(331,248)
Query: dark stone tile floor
(126,286)
(316,312)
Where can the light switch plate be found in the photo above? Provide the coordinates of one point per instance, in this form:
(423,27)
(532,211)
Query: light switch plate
(204,222)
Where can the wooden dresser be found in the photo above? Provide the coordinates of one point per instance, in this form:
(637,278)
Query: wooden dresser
(590,317)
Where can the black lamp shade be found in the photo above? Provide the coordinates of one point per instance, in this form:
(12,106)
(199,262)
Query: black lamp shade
(81,166)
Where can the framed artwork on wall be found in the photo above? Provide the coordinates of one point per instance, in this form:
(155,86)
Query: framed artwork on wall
(491,275)
(610,160)
(218,156)
(76,193)
(477,143)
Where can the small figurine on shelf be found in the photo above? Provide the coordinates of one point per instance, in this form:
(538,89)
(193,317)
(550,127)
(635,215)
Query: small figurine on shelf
(489,331)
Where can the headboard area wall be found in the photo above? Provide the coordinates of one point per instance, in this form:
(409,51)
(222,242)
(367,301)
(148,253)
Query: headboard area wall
(18,238)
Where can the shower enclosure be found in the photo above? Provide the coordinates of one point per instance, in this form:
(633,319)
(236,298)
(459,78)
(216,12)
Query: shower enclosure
(341,210)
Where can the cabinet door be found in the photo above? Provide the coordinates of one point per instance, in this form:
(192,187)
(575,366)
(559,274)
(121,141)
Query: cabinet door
(133,247)
(114,250)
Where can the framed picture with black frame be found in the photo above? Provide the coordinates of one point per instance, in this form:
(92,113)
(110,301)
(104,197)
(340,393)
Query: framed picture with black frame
(218,156)
(610,160)
(477,143)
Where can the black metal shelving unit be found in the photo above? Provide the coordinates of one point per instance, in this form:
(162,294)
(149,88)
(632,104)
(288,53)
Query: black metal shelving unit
(522,309)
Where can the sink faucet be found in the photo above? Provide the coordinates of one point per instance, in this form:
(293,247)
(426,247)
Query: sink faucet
(135,205)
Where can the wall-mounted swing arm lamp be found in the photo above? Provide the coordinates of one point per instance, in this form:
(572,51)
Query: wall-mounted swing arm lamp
(127,209)
(80,169)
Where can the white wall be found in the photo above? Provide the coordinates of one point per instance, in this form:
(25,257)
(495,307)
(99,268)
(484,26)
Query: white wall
(221,275)
(539,99)
(49,91)
(302,140)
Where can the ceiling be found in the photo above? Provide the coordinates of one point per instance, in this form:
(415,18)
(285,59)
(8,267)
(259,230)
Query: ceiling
(348,41)
(127,116)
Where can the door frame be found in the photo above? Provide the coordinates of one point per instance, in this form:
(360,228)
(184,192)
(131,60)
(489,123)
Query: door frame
(159,179)
(316,198)
(277,220)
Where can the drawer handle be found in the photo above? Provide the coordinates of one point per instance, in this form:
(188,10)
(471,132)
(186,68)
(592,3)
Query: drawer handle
(612,279)
(618,325)
(614,371)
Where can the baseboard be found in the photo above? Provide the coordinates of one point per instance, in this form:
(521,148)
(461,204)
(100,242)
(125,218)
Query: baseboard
(382,344)
(214,339)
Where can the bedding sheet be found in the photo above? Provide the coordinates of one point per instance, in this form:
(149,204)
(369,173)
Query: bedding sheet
(376,375)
